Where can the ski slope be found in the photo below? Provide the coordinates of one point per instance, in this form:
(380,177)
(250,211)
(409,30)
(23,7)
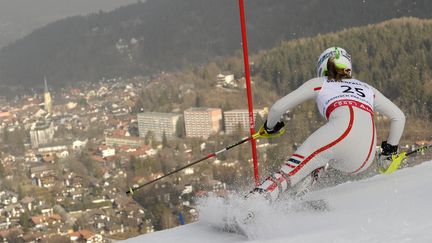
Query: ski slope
(394,208)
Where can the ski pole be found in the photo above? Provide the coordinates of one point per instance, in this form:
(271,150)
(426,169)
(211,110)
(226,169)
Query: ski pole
(421,149)
(211,155)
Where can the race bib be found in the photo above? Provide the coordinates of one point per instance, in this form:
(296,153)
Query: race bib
(347,92)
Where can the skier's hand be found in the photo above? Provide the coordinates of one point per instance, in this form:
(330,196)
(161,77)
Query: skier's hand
(388,149)
(277,130)
(386,156)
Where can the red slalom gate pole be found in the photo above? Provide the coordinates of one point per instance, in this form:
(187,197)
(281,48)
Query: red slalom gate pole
(249,90)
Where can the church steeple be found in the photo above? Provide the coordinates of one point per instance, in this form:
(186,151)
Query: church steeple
(47,98)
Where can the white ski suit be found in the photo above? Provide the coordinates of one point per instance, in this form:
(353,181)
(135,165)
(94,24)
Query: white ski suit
(346,142)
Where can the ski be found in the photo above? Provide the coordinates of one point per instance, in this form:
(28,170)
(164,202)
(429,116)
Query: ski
(395,163)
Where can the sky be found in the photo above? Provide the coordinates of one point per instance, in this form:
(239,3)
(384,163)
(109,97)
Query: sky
(393,208)
(20,17)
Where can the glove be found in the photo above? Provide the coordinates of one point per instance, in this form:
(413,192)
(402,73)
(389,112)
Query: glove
(388,149)
(277,130)
(279,125)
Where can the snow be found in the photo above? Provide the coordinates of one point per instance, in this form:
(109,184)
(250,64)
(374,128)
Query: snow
(391,208)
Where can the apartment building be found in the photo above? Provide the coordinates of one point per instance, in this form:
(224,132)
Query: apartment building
(158,123)
(202,122)
(235,118)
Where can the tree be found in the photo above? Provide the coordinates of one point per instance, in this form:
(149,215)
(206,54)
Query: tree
(2,171)
(14,236)
(24,220)
(88,163)
(76,166)
(199,101)
(5,135)
(15,140)
(21,193)
(205,74)
(180,128)
(164,141)
(150,138)
(158,210)
(136,165)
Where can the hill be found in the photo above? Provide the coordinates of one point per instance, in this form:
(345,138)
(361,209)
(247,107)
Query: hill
(157,35)
(385,208)
(394,56)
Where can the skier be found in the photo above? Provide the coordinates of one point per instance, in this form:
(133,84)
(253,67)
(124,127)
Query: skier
(347,141)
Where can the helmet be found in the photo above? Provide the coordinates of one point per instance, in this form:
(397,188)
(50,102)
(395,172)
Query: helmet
(341,58)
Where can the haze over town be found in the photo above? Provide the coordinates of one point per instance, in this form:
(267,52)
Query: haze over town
(20,17)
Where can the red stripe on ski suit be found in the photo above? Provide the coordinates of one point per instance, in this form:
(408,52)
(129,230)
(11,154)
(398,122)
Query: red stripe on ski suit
(298,155)
(371,145)
(310,157)
(274,184)
(347,102)
(292,166)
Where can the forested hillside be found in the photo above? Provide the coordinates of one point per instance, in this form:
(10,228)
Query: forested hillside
(156,35)
(394,56)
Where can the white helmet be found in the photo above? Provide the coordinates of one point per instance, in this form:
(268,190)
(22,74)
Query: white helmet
(342,60)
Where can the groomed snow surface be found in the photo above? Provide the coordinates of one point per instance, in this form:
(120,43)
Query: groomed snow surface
(385,208)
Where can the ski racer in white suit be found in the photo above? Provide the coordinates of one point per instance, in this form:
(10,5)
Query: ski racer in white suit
(347,141)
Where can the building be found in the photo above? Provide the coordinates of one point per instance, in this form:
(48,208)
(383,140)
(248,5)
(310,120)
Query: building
(78,144)
(235,118)
(41,221)
(85,236)
(201,122)
(114,141)
(53,148)
(158,124)
(42,132)
(226,80)
(43,175)
(47,99)
(106,151)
